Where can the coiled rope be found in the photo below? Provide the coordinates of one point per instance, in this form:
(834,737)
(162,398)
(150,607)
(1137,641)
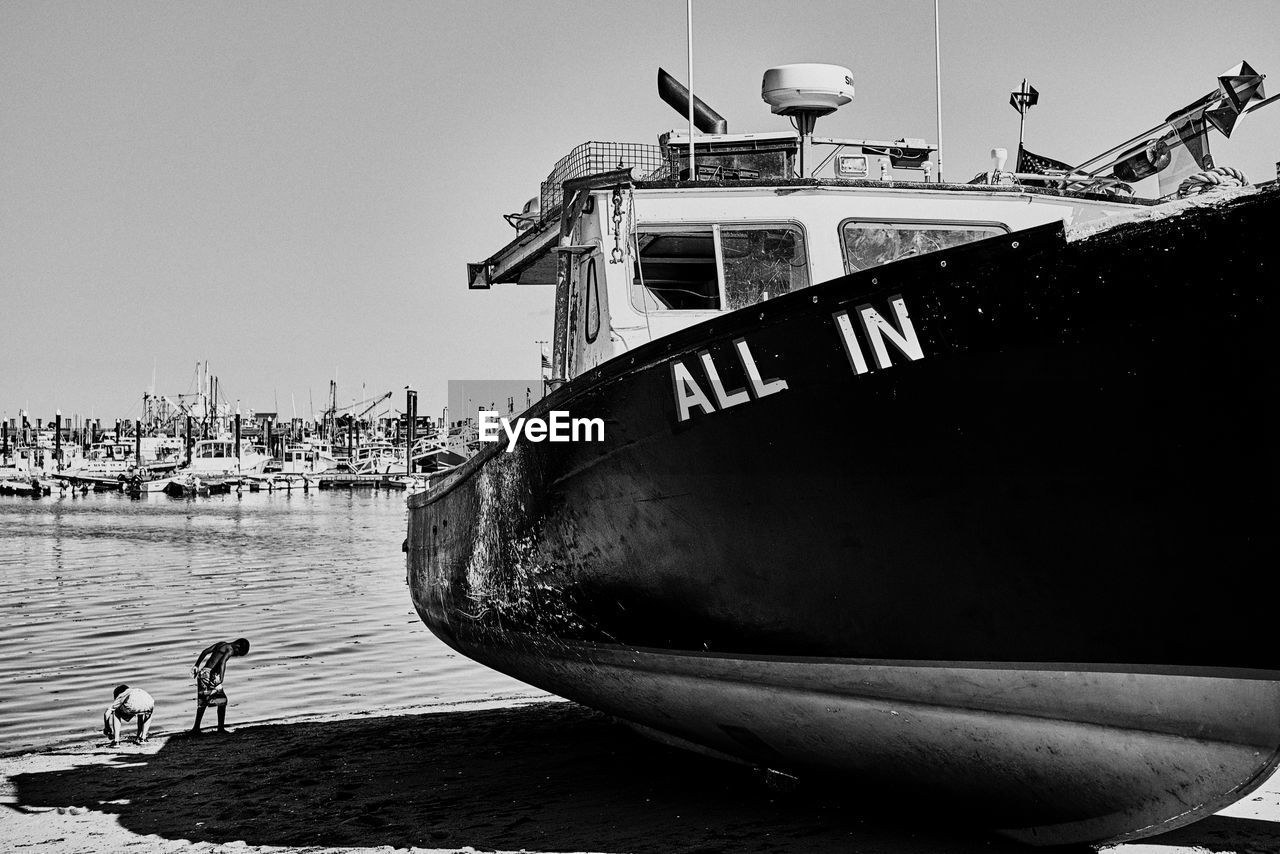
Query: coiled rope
(1212,179)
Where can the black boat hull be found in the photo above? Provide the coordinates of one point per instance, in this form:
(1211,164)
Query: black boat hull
(1046,525)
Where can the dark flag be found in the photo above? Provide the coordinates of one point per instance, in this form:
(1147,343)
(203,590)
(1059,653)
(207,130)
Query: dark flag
(1024,99)
(1034,164)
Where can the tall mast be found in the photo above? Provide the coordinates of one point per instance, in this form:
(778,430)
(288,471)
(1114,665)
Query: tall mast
(693,171)
(937,71)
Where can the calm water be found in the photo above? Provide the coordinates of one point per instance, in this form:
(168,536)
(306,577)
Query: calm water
(103,589)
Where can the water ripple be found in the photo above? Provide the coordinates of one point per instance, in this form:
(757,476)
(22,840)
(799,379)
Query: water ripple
(102,589)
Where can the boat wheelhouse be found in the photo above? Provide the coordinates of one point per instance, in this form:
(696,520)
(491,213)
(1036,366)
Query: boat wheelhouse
(306,459)
(693,256)
(376,457)
(224,457)
(108,458)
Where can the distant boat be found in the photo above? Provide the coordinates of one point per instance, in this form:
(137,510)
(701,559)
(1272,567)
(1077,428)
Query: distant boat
(186,486)
(27,487)
(104,460)
(145,483)
(377,457)
(219,457)
(306,459)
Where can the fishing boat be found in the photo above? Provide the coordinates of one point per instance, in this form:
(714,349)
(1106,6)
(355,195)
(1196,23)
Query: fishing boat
(307,459)
(376,457)
(114,465)
(187,485)
(214,458)
(28,487)
(955,489)
(146,482)
(105,460)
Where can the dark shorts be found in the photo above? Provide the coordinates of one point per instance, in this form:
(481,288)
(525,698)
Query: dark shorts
(208,689)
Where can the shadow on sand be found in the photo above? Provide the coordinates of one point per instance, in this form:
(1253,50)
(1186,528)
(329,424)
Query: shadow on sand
(551,776)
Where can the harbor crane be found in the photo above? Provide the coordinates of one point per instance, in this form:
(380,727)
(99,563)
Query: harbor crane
(350,416)
(349,412)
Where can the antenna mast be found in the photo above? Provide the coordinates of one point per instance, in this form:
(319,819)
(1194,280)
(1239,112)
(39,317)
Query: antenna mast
(693,171)
(937,70)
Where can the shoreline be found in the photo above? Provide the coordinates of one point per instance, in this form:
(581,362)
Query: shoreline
(69,742)
(503,774)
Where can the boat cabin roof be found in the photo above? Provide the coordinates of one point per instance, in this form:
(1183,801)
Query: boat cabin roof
(529,257)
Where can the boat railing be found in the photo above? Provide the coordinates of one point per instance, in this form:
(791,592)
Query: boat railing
(591,158)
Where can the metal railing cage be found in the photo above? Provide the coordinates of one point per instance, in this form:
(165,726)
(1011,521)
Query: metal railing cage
(591,158)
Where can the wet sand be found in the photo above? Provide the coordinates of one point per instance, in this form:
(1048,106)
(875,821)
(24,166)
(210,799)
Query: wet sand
(538,777)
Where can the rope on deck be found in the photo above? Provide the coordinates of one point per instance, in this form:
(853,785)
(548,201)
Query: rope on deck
(1212,179)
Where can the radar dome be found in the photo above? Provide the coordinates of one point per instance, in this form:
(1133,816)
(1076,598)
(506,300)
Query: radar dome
(807,87)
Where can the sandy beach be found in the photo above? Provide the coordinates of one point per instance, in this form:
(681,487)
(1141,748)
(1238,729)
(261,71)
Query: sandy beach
(533,776)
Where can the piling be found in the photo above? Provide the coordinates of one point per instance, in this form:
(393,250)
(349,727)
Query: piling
(411,413)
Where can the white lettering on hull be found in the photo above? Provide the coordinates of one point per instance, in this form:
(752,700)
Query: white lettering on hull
(724,399)
(690,396)
(688,393)
(761,387)
(877,330)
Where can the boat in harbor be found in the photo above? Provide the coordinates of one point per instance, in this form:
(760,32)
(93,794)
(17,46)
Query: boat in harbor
(146,482)
(105,460)
(377,457)
(307,459)
(955,489)
(189,485)
(222,458)
(26,487)
(115,465)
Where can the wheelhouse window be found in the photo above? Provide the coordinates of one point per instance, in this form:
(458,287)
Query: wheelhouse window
(870,244)
(714,267)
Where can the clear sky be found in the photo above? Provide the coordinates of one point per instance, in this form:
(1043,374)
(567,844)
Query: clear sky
(290,191)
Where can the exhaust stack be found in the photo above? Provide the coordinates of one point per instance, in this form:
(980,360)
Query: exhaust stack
(674,93)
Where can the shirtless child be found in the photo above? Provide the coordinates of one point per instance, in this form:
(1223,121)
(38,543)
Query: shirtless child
(209,679)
